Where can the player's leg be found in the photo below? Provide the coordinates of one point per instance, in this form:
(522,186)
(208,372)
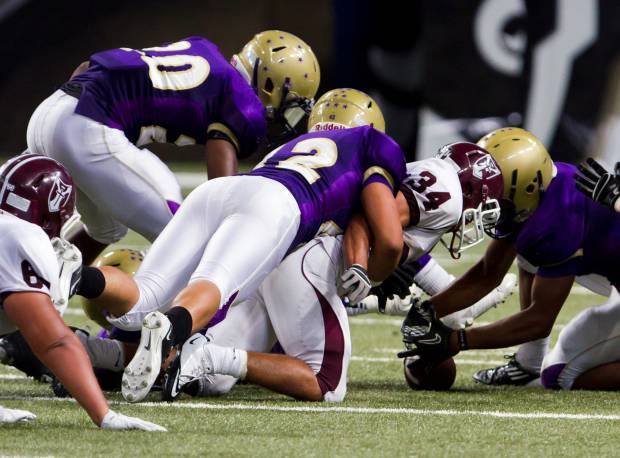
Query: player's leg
(310,323)
(587,354)
(253,223)
(130,185)
(246,327)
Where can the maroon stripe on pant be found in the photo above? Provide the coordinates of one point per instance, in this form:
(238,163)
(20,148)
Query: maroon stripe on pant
(333,353)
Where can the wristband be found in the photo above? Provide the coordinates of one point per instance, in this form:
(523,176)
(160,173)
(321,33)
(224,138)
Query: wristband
(462,338)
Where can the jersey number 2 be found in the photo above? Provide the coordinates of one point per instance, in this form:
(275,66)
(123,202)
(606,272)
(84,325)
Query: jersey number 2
(309,154)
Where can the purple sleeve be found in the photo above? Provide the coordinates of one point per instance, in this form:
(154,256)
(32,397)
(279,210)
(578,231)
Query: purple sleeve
(564,269)
(242,117)
(384,161)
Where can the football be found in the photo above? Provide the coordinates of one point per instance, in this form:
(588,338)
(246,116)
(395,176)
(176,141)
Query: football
(422,374)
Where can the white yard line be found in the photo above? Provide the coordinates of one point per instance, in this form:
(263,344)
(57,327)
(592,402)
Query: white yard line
(75,312)
(472,362)
(340,409)
(12,377)
(399,322)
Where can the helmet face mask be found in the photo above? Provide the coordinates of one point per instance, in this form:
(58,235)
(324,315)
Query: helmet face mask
(526,167)
(39,190)
(285,74)
(482,186)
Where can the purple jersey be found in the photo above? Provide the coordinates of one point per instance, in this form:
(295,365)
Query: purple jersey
(570,234)
(176,93)
(326,172)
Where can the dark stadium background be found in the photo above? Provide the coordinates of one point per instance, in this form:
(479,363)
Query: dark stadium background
(441,69)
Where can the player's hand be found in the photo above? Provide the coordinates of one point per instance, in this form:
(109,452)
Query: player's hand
(118,421)
(15,415)
(355,284)
(597,183)
(426,332)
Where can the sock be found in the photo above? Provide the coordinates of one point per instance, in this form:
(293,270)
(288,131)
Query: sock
(92,283)
(531,354)
(103,353)
(433,278)
(182,323)
(228,361)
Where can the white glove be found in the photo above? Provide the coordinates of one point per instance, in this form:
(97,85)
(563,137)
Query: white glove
(15,415)
(118,421)
(69,260)
(354,284)
(465,318)
(394,305)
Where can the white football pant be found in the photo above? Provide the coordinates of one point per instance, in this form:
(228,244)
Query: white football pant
(589,340)
(119,184)
(298,306)
(231,231)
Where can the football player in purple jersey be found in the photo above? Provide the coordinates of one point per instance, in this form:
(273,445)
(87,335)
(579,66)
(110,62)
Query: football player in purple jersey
(231,232)
(558,234)
(183,93)
(37,198)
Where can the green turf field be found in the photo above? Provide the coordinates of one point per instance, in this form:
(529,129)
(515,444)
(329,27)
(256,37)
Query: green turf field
(380,417)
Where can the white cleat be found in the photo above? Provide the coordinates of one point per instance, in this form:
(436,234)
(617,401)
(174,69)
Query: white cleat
(194,361)
(142,371)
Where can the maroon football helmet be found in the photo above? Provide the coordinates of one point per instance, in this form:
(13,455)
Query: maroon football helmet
(483,187)
(37,189)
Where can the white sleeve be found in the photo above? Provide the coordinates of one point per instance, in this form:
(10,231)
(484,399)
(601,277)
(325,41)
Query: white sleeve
(435,199)
(27,261)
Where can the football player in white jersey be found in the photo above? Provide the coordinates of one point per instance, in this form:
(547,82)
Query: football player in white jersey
(37,197)
(299,304)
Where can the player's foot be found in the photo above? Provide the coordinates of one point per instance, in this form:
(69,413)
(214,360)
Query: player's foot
(511,373)
(193,362)
(143,370)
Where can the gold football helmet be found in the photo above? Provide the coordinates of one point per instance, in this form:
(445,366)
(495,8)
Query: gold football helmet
(526,167)
(343,108)
(284,72)
(125,259)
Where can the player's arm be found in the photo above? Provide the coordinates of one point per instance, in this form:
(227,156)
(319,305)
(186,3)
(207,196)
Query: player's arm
(58,348)
(80,69)
(381,212)
(221,156)
(358,237)
(547,295)
(478,281)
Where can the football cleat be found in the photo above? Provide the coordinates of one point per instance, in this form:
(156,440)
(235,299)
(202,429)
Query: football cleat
(194,361)
(143,370)
(511,373)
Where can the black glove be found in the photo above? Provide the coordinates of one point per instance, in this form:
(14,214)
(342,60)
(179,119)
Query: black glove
(397,283)
(423,329)
(597,183)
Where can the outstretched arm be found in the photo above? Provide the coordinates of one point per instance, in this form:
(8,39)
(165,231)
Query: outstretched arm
(478,281)
(221,158)
(58,348)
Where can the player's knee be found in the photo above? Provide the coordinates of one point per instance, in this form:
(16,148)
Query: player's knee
(331,390)
(335,396)
(107,235)
(550,376)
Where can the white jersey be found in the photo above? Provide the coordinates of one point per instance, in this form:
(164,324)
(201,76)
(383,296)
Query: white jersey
(27,262)
(435,198)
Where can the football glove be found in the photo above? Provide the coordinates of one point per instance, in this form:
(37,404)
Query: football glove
(15,415)
(69,260)
(118,421)
(355,284)
(393,305)
(597,183)
(426,332)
